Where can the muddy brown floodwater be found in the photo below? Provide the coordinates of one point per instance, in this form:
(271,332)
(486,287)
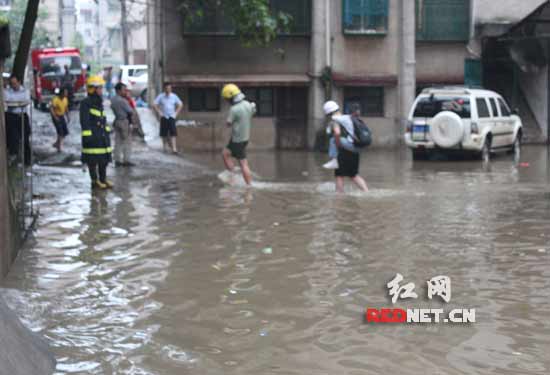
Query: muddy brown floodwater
(174,273)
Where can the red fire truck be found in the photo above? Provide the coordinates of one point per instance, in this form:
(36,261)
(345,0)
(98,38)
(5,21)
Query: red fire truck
(57,68)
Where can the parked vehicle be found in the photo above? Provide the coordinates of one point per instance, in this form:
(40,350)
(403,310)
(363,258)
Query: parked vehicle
(48,66)
(459,119)
(136,78)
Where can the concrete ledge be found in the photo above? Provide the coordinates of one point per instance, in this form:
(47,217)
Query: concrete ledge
(22,352)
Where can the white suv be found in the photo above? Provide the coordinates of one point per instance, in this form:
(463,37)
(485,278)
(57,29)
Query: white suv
(462,119)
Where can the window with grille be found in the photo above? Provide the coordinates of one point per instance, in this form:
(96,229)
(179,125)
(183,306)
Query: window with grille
(365,17)
(215,20)
(263,97)
(442,20)
(371,100)
(204,99)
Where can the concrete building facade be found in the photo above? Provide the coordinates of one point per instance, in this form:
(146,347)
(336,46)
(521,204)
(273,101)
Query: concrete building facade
(99,24)
(375,52)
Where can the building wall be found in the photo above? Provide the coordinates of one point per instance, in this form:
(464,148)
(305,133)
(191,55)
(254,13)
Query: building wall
(51,22)
(108,50)
(363,54)
(534,85)
(351,55)
(440,62)
(226,55)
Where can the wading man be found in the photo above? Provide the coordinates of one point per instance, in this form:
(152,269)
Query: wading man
(342,129)
(96,137)
(239,120)
(59,109)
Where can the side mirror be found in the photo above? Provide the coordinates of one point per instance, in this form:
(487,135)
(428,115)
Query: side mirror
(515,111)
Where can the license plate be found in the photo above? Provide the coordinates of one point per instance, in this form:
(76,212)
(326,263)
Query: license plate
(419,132)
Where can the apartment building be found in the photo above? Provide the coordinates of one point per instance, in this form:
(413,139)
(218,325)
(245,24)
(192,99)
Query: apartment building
(375,52)
(99,24)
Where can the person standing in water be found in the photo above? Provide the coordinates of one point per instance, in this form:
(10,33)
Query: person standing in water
(96,134)
(342,129)
(239,120)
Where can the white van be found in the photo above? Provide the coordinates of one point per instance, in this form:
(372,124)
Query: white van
(135,77)
(462,119)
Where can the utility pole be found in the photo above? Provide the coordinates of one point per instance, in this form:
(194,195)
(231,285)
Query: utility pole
(407,61)
(124,29)
(60,39)
(5,219)
(98,33)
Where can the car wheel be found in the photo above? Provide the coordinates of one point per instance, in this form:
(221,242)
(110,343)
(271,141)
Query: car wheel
(485,153)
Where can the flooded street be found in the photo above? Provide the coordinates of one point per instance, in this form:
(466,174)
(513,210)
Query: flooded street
(174,273)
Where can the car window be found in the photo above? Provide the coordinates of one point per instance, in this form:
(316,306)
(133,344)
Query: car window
(139,72)
(504,108)
(430,106)
(494,107)
(482,109)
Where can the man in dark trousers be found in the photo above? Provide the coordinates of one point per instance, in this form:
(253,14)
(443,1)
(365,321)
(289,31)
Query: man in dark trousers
(96,137)
(18,128)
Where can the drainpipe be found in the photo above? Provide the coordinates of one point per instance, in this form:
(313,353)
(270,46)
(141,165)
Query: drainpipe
(473,16)
(327,35)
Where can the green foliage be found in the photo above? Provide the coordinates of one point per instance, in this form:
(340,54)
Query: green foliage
(254,22)
(16,16)
(4,20)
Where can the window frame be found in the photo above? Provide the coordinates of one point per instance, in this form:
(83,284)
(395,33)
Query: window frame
(494,107)
(484,100)
(363,31)
(502,103)
(203,99)
(421,24)
(259,101)
(362,98)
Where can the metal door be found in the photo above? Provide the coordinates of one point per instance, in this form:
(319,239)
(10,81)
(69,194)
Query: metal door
(291,112)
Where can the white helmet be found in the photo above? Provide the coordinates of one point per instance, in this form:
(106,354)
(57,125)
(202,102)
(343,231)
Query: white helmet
(330,107)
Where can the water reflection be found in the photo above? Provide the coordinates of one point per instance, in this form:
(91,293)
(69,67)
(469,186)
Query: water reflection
(175,273)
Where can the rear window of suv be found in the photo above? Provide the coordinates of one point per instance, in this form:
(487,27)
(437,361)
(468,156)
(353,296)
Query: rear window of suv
(430,106)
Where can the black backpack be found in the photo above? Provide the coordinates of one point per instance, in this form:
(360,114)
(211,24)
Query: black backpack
(363,135)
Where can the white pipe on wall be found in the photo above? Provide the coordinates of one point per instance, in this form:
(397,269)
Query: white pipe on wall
(327,34)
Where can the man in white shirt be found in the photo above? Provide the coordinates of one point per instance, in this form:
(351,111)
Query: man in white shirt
(168,106)
(18,127)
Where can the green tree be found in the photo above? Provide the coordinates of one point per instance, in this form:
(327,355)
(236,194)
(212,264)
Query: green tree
(254,22)
(39,38)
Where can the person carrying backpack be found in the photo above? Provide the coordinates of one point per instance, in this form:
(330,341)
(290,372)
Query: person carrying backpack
(362,134)
(343,132)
